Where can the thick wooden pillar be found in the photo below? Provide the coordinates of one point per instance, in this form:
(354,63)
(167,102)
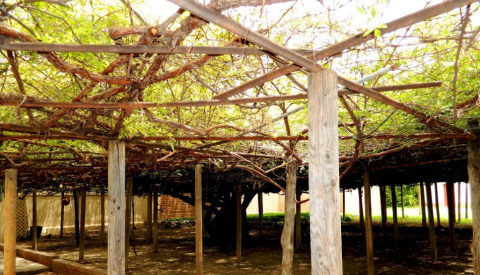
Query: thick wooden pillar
(149,218)
(128,217)
(298,221)
(62,213)
(422,202)
(77,223)
(116,208)
(260,212)
(431,222)
(360,209)
(325,232)
(368,223)
(239,222)
(396,235)
(83,208)
(198,220)
(102,215)
(155,222)
(451,213)
(403,203)
(10,225)
(34,221)
(459,200)
(383,205)
(289,223)
(474,179)
(437,205)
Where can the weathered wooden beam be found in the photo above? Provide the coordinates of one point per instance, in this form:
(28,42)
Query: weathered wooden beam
(396,235)
(198,221)
(368,223)
(83,208)
(289,223)
(424,212)
(116,208)
(34,220)
(358,39)
(10,222)
(437,205)
(431,222)
(324,184)
(234,27)
(137,49)
(395,88)
(128,217)
(474,179)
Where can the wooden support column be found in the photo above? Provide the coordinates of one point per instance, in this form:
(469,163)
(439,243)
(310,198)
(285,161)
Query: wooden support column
(466,200)
(431,222)
(62,213)
(437,205)
(10,225)
(34,221)
(239,222)
(198,220)
(149,218)
(451,213)
(403,203)
(396,235)
(360,209)
(83,208)
(459,200)
(368,223)
(289,223)
(422,202)
(298,221)
(474,179)
(325,232)
(383,205)
(155,222)
(102,215)
(116,208)
(260,212)
(128,218)
(77,223)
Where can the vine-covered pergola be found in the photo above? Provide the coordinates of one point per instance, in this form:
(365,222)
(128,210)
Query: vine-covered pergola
(160,109)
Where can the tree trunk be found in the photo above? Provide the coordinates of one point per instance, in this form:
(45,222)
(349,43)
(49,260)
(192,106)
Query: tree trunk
(289,223)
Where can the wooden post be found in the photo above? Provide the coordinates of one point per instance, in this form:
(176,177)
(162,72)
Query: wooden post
(403,203)
(431,222)
(466,200)
(102,215)
(239,223)
(424,214)
(451,213)
(343,203)
(198,220)
(298,221)
(128,217)
(368,223)
(459,200)
(83,207)
(360,208)
(260,212)
(155,222)
(62,213)
(116,207)
(419,201)
(437,205)
(149,218)
(289,223)
(77,224)
(396,235)
(10,225)
(383,205)
(474,179)
(325,232)
(34,220)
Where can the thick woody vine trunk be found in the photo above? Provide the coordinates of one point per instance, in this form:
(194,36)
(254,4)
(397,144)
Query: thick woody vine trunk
(474,179)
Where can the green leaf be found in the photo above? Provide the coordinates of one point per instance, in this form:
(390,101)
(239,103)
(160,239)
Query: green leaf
(361,10)
(368,32)
(378,33)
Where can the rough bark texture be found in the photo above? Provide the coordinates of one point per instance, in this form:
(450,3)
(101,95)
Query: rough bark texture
(474,179)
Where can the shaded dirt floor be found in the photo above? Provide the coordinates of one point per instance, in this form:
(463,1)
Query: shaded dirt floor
(177,252)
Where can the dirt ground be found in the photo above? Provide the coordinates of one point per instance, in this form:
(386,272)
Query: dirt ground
(177,252)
